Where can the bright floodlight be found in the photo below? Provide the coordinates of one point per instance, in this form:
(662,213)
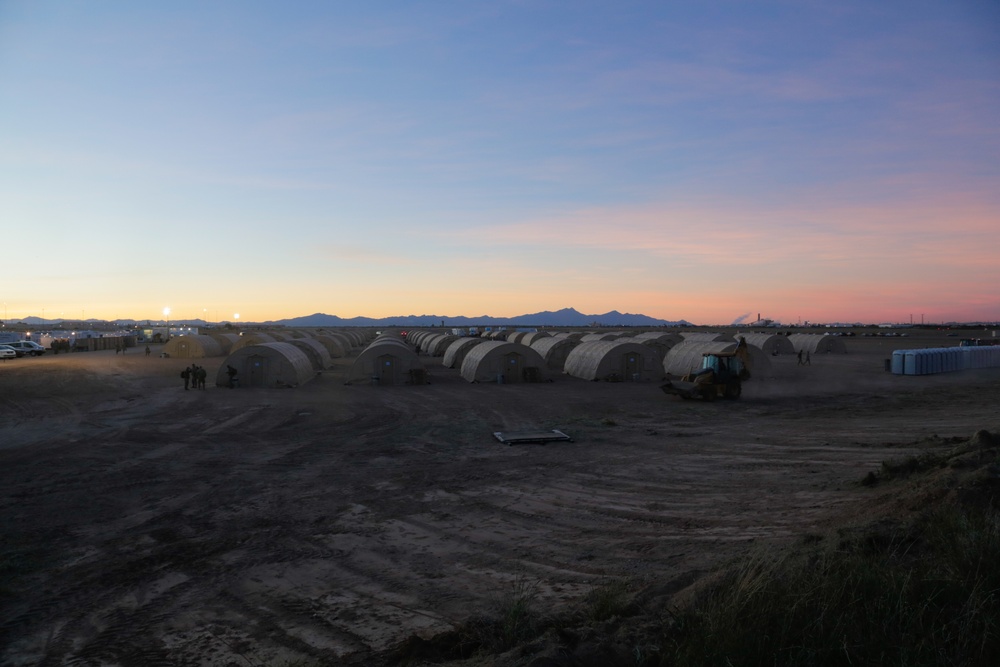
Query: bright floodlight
(236,316)
(166,311)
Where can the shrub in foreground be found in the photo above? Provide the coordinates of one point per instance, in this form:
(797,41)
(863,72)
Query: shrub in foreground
(922,595)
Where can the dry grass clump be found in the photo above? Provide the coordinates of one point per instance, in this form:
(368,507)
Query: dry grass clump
(924,591)
(979,449)
(607,600)
(927,595)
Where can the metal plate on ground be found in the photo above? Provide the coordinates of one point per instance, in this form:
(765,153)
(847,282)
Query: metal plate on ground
(524,437)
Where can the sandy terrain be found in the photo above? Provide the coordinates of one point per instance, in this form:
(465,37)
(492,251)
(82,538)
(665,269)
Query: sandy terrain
(141,524)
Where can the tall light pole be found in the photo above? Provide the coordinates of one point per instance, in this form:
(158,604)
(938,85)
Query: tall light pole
(166,315)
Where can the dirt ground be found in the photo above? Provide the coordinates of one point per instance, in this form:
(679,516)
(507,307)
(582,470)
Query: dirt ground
(141,524)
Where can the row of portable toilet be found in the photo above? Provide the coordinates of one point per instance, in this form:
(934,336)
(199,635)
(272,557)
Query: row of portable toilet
(944,360)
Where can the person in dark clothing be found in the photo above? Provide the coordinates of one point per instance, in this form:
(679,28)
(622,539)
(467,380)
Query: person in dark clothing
(186,374)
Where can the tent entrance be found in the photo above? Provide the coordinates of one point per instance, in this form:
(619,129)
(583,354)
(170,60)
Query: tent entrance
(387,369)
(255,370)
(512,363)
(633,367)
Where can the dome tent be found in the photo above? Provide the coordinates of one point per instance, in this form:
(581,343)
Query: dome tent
(267,365)
(436,345)
(356,337)
(615,361)
(817,343)
(226,340)
(707,336)
(387,361)
(334,346)
(599,336)
(533,336)
(193,347)
(687,357)
(554,351)
(456,352)
(345,341)
(413,337)
(318,355)
(427,341)
(662,342)
(770,344)
(500,361)
(252,339)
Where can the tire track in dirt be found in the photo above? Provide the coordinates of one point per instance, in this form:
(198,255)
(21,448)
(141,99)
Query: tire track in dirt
(295,525)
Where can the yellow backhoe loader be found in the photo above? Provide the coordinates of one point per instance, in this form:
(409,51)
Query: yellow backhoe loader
(721,376)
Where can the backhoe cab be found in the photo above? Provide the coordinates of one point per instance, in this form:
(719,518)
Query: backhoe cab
(721,376)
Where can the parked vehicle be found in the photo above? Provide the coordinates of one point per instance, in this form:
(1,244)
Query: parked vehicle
(7,352)
(27,348)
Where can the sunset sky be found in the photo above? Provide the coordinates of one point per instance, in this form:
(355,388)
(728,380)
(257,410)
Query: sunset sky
(707,161)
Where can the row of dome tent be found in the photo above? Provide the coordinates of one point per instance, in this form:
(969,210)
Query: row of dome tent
(510,357)
(292,357)
(337,343)
(286,358)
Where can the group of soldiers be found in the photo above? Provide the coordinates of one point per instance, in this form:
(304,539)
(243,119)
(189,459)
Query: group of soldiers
(195,376)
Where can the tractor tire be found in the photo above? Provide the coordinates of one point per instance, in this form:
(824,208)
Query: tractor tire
(734,390)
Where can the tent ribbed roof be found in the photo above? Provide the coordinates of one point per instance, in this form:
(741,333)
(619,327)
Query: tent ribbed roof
(252,339)
(287,366)
(687,357)
(226,340)
(455,354)
(770,343)
(318,355)
(817,343)
(533,336)
(554,351)
(193,347)
(366,366)
(607,360)
(707,336)
(486,361)
(336,346)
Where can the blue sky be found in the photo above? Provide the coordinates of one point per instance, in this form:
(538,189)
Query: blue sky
(819,161)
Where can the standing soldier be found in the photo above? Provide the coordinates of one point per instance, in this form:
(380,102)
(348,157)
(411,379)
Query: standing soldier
(186,374)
